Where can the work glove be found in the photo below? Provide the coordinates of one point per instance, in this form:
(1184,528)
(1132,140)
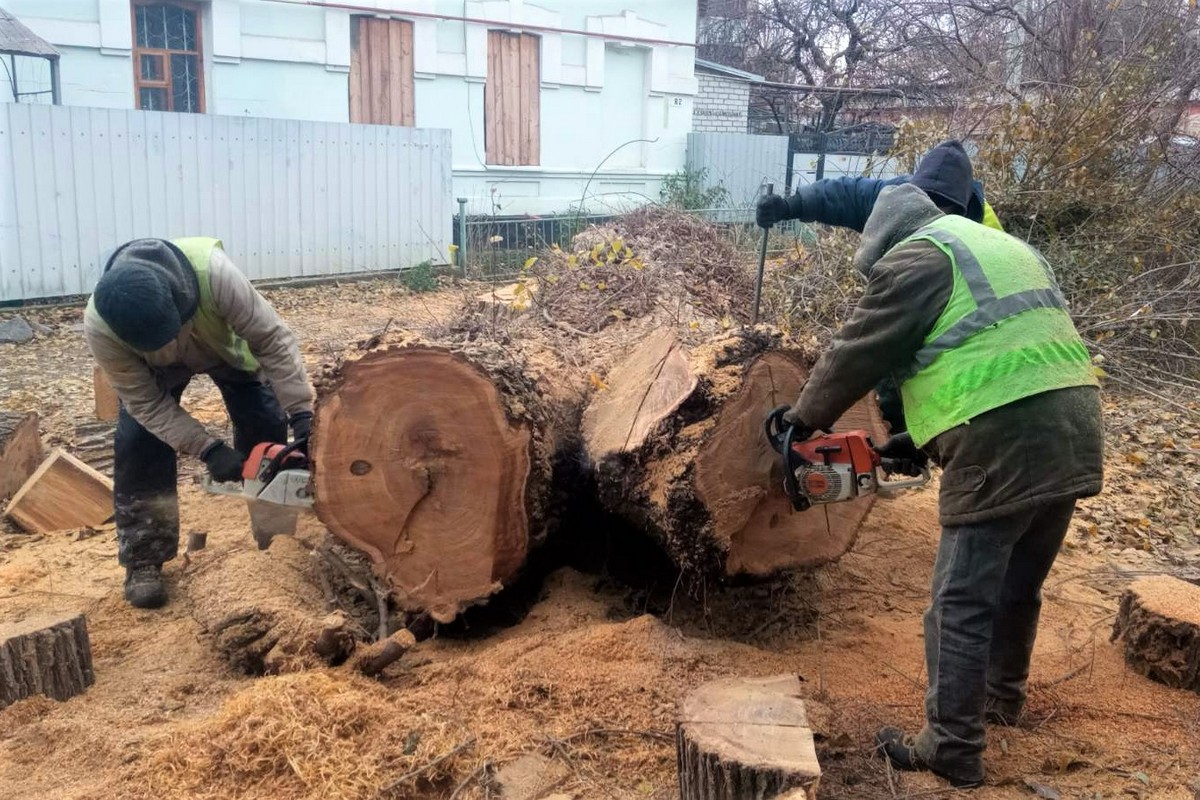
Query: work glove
(901,456)
(802,430)
(223,462)
(301,423)
(772,208)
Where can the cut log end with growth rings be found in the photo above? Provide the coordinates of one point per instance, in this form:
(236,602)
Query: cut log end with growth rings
(435,462)
(678,444)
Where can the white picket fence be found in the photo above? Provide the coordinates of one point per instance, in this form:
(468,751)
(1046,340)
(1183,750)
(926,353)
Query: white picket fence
(288,198)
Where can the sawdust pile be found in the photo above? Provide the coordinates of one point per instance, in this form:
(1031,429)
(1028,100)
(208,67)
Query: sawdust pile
(452,710)
(649,259)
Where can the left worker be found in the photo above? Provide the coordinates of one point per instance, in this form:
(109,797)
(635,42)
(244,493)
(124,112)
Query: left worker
(161,313)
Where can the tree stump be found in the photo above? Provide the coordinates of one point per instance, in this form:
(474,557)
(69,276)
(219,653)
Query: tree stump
(20,450)
(107,404)
(1159,620)
(744,739)
(437,461)
(45,655)
(677,442)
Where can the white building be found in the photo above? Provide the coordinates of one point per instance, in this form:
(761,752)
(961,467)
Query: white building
(538,97)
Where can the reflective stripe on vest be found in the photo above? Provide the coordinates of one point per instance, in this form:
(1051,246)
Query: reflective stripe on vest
(1005,333)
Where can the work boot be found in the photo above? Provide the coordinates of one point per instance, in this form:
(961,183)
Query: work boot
(144,587)
(1007,715)
(900,749)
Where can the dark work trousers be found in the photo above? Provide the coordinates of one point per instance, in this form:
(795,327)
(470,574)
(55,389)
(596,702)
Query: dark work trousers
(145,498)
(980,628)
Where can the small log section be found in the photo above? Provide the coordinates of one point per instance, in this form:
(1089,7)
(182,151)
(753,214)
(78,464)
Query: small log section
(1159,620)
(45,655)
(105,398)
(64,493)
(678,446)
(741,738)
(20,450)
(437,462)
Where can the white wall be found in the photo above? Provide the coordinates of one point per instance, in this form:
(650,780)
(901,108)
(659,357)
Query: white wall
(268,59)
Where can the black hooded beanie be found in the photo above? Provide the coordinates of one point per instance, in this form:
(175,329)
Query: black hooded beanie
(945,174)
(147,292)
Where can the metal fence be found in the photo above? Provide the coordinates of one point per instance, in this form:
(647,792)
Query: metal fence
(499,247)
(288,198)
(741,163)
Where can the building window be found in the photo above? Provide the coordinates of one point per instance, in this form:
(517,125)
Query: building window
(512,103)
(167,65)
(381,71)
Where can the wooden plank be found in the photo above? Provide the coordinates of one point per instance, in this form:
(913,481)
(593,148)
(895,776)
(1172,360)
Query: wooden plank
(64,493)
(408,117)
(358,67)
(531,90)
(491,100)
(20,450)
(400,72)
(512,98)
(380,113)
(106,401)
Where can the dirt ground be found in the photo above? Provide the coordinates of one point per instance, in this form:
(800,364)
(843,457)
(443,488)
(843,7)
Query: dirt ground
(584,687)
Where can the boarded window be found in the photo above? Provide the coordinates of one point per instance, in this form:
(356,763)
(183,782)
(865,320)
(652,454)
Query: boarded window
(381,71)
(167,67)
(512,104)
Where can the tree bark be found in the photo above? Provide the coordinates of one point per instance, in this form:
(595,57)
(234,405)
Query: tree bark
(20,450)
(746,737)
(678,446)
(50,656)
(438,462)
(1159,619)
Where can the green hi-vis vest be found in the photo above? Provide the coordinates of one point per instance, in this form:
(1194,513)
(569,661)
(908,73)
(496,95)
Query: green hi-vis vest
(208,325)
(989,217)
(1004,335)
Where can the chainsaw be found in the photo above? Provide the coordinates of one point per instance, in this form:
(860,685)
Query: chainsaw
(833,467)
(274,473)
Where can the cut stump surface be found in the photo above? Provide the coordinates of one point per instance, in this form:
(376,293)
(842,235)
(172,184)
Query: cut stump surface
(1159,620)
(64,493)
(51,656)
(746,738)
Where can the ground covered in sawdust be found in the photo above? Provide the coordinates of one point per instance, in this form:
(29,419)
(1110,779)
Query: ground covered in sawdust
(588,680)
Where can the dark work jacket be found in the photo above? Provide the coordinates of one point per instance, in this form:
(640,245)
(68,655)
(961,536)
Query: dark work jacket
(1024,455)
(847,202)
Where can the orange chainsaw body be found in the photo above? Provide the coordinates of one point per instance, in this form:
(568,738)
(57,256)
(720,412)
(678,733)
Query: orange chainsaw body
(837,466)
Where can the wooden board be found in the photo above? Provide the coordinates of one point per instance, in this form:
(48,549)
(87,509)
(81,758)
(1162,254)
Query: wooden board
(746,737)
(512,99)
(64,493)
(20,451)
(51,656)
(381,72)
(106,401)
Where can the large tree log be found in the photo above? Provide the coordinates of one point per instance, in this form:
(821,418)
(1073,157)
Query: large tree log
(44,655)
(1159,619)
(438,462)
(20,450)
(746,738)
(678,447)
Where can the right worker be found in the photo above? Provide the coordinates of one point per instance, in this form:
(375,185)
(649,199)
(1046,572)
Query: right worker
(944,174)
(998,388)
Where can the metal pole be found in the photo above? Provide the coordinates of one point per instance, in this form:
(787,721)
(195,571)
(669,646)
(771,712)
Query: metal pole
(55,85)
(462,235)
(762,262)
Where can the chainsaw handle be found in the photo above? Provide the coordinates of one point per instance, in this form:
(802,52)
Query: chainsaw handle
(890,488)
(777,429)
(277,460)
